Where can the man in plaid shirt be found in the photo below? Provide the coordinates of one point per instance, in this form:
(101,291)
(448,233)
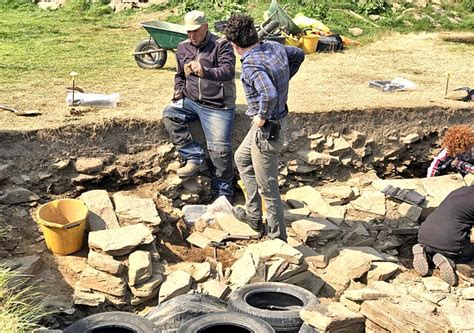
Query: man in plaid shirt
(267,68)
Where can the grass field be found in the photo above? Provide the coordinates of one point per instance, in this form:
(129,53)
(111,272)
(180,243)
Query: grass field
(39,46)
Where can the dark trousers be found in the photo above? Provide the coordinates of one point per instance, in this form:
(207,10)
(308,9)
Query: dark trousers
(464,256)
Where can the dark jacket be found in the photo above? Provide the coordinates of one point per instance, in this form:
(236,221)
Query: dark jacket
(449,226)
(217,87)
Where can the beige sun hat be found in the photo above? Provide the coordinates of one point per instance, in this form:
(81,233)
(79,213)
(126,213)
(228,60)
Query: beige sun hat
(194,20)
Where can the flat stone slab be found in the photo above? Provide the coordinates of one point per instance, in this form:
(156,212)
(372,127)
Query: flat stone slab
(352,265)
(404,315)
(232,226)
(337,195)
(198,271)
(121,241)
(310,196)
(411,212)
(370,202)
(103,282)
(105,263)
(292,215)
(140,267)
(434,188)
(438,188)
(133,210)
(469,179)
(27,265)
(433,283)
(16,195)
(215,288)
(101,211)
(275,248)
(89,165)
(88,298)
(177,283)
(460,318)
(372,253)
(332,317)
(409,184)
(149,287)
(198,239)
(315,228)
(215,234)
(314,158)
(364,294)
(381,271)
(467,293)
(249,268)
(336,214)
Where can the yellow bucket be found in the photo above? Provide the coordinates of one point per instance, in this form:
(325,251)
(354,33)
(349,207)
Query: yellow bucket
(290,40)
(309,43)
(63,223)
(242,186)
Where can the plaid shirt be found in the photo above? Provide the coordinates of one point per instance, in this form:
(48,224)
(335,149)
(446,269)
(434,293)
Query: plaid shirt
(266,71)
(442,162)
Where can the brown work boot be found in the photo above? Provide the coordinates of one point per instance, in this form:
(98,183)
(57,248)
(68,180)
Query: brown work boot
(446,268)
(241,215)
(420,262)
(191,168)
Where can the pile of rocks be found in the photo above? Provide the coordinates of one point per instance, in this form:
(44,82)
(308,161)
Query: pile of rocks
(353,150)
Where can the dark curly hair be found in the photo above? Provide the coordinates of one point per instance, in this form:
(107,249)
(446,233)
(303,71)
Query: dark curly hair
(458,139)
(241,30)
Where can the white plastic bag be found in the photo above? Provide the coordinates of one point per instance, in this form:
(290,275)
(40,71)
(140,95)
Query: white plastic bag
(93,100)
(404,83)
(220,205)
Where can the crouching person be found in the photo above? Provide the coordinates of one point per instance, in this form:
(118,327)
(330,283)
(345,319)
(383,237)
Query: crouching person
(444,237)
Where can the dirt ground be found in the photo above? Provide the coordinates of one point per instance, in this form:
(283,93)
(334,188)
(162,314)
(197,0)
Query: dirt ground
(325,82)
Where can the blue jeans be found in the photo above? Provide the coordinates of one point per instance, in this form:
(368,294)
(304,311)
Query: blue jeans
(217,125)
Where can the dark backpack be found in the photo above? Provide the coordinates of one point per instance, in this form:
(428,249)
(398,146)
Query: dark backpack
(332,43)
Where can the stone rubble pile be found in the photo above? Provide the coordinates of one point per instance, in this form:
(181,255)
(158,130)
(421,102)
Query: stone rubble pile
(343,244)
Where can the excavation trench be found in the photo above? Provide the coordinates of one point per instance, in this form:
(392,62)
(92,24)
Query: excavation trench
(137,157)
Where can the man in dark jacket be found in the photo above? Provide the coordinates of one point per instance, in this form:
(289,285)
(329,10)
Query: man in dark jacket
(204,90)
(444,237)
(267,68)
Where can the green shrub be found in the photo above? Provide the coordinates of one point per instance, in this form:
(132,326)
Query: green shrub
(372,7)
(469,5)
(16,4)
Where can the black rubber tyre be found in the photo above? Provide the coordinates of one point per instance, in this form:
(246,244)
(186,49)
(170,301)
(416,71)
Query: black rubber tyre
(308,329)
(152,60)
(170,315)
(113,322)
(226,322)
(279,304)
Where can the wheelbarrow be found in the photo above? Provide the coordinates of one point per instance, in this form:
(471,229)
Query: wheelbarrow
(152,53)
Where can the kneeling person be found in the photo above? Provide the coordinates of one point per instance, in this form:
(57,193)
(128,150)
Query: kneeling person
(444,237)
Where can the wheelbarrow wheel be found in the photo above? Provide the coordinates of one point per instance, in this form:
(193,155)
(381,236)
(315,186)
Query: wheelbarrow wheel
(152,60)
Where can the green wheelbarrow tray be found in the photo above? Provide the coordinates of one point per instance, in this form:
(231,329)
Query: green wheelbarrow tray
(151,53)
(167,35)
(278,14)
